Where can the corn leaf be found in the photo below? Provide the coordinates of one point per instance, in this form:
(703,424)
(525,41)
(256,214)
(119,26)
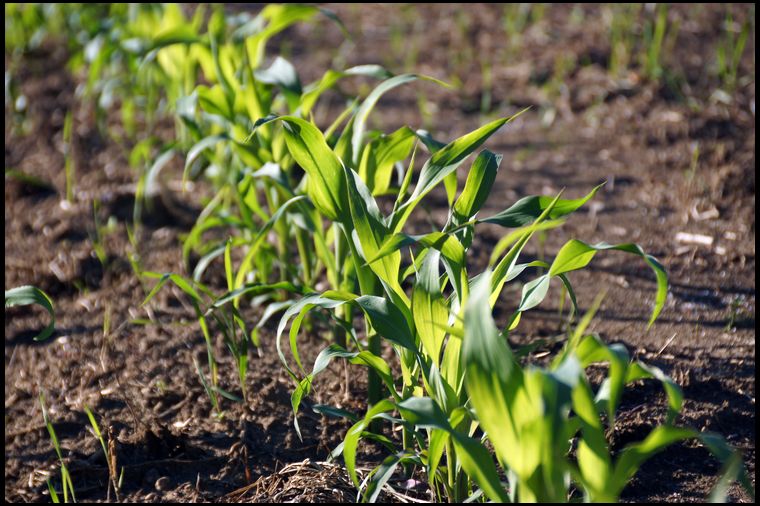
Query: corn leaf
(577,254)
(313,92)
(351,441)
(478,186)
(429,308)
(527,209)
(360,120)
(442,163)
(25,295)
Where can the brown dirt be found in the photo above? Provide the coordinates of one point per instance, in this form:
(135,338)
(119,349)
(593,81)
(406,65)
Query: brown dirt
(141,381)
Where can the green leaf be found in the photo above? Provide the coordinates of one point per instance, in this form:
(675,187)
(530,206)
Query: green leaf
(577,254)
(387,319)
(381,155)
(282,73)
(442,163)
(382,473)
(360,120)
(253,289)
(215,101)
(633,455)
(27,294)
(351,441)
(639,370)
(492,376)
(199,148)
(507,263)
(480,180)
(327,184)
(429,308)
(312,94)
(261,234)
(527,209)
(534,292)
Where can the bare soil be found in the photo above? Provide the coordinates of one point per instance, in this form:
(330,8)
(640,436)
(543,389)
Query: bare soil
(638,136)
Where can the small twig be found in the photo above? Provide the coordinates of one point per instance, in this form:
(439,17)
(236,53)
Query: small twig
(402,497)
(666,344)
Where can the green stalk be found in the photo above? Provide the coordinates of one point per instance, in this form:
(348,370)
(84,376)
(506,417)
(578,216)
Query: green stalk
(281,229)
(305,254)
(451,472)
(367,286)
(341,312)
(407,438)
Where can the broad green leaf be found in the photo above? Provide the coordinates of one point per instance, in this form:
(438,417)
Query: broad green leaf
(478,186)
(381,155)
(387,319)
(478,463)
(424,413)
(534,292)
(327,183)
(278,18)
(490,374)
(594,461)
(429,308)
(371,233)
(214,101)
(283,74)
(451,249)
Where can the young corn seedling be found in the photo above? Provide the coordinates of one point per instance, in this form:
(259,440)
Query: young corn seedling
(66,483)
(730,50)
(109,453)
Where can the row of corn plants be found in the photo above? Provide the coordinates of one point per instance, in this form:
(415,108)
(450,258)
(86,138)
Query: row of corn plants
(300,214)
(297,179)
(460,383)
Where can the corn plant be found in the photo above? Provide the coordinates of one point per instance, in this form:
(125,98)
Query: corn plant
(424,330)
(622,34)
(535,416)
(108,453)
(66,483)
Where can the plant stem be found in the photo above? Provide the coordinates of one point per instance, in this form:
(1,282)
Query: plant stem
(368,285)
